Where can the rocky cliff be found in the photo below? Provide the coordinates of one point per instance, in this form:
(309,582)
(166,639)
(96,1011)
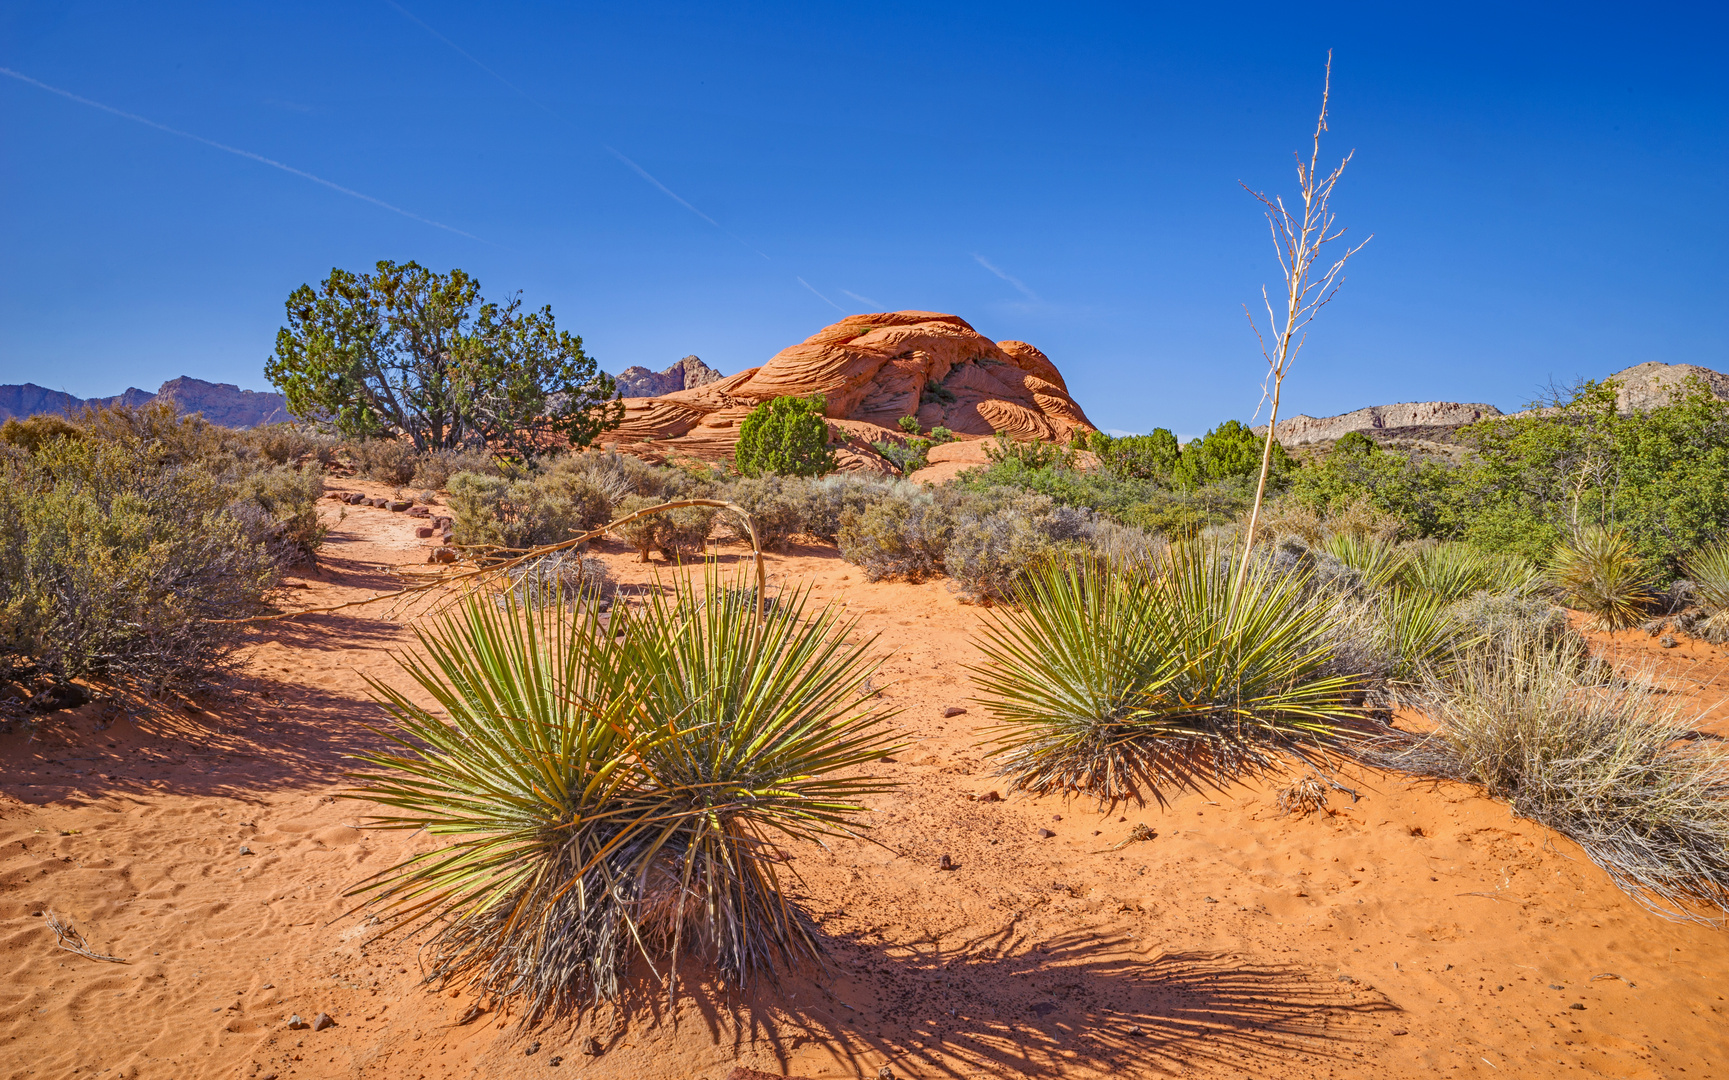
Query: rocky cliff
(687,374)
(220,403)
(871,370)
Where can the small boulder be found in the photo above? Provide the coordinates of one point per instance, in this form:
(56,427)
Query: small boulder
(1046,834)
(442,522)
(321,1021)
(295,1023)
(418,511)
(953,710)
(423,532)
(397,505)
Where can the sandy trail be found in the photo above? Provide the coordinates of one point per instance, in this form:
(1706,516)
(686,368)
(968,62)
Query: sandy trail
(1419,929)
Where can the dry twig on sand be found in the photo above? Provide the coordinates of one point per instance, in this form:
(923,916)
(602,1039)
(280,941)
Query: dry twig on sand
(73,942)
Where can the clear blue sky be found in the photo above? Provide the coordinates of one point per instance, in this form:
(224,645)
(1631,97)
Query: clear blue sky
(1546,185)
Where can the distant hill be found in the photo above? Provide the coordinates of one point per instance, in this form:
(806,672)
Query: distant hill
(220,403)
(1429,424)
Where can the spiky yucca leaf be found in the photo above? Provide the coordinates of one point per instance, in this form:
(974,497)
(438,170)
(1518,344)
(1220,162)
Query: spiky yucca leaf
(621,789)
(1122,681)
(1708,569)
(1598,572)
(1453,571)
(1377,560)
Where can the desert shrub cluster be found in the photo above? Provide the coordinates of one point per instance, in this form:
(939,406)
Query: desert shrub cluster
(127,534)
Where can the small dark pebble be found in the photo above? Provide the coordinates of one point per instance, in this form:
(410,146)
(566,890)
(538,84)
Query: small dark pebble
(1552,986)
(1400,1031)
(1046,833)
(1578,1006)
(1210,900)
(953,710)
(556,1062)
(1136,1031)
(946,863)
(533,1048)
(1056,817)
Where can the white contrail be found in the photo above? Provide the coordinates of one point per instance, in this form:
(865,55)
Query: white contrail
(865,300)
(821,297)
(235,150)
(1016,282)
(543,107)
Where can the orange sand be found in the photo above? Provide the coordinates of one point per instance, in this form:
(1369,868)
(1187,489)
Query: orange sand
(1420,930)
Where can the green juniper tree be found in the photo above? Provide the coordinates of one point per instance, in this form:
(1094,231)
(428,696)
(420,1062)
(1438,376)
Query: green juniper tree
(409,351)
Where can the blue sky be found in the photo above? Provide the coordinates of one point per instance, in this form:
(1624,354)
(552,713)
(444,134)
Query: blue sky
(1545,183)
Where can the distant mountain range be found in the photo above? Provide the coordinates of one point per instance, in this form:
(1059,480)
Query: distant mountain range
(220,403)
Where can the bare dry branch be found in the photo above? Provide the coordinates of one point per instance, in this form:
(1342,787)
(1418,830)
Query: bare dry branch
(73,942)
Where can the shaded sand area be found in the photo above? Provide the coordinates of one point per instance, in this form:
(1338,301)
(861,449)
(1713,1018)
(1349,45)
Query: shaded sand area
(1419,930)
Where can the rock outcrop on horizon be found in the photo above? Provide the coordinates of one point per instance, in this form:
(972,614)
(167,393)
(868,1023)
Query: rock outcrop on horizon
(1642,386)
(223,404)
(871,370)
(687,374)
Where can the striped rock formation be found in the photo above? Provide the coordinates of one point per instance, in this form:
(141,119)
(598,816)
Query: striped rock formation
(871,370)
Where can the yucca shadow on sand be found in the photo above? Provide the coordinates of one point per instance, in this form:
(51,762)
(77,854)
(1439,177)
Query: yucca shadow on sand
(995,1007)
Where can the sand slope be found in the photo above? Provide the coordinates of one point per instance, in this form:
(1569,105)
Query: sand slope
(1421,929)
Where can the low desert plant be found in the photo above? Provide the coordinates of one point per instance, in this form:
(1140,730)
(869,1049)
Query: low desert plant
(1605,764)
(290,444)
(1599,573)
(683,530)
(621,793)
(387,460)
(1708,569)
(1378,561)
(902,535)
(990,552)
(491,511)
(31,433)
(563,577)
(775,503)
(280,507)
(1124,682)
(435,468)
(1453,571)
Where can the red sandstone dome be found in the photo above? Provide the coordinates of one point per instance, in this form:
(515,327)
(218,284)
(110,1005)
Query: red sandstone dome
(872,370)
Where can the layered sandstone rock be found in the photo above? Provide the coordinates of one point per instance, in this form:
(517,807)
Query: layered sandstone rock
(872,370)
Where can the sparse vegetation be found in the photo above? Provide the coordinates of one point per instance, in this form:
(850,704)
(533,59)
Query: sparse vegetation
(622,795)
(1598,572)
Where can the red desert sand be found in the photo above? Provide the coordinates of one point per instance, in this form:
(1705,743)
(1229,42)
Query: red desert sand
(1421,929)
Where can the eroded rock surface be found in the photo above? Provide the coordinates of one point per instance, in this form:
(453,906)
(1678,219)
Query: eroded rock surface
(872,370)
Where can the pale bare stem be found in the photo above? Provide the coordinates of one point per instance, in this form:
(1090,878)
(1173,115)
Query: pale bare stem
(1297,243)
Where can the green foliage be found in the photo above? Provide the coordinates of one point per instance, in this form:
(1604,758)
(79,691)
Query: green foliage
(1230,452)
(940,435)
(909,456)
(777,505)
(1120,682)
(1708,568)
(1137,457)
(1453,571)
(1600,573)
(786,436)
(1028,453)
(1355,444)
(280,508)
(997,542)
(632,792)
(903,536)
(406,350)
(670,532)
(1415,490)
(909,424)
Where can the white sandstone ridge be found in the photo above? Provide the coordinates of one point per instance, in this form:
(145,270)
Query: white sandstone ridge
(1301,429)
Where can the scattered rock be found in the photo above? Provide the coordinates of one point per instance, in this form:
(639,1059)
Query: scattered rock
(443,522)
(244,850)
(1056,817)
(556,1061)
(1578,1006)
(1668,641)
(532,1049)
(355,498)
(424,532)
(1400,1031)
(1554,986)
(990,796)
(953,710)
(321,1021)
(441,555)
(1046,833)
(1210,900)
(472,1014)
(1136,1030)
(591,1046)
(946,863)
(296,1023)
(885,1073)
(397,505)
(419,512)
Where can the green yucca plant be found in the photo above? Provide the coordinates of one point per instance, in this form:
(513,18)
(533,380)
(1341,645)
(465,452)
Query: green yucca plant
(1453,571)
(1377,560)
(1599,573)
(1123,681)
(1708,569)
(619,790)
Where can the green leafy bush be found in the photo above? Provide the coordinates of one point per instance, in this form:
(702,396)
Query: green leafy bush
(279,506)
(786,436)
(671,532)
(434,468)
(621,793)
(1137,457)
(1229,452)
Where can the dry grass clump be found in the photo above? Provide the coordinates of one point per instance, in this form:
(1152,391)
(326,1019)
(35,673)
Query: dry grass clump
(1125,681)
(1598,572)
(623,791)
(1304,795)
(1603,762)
